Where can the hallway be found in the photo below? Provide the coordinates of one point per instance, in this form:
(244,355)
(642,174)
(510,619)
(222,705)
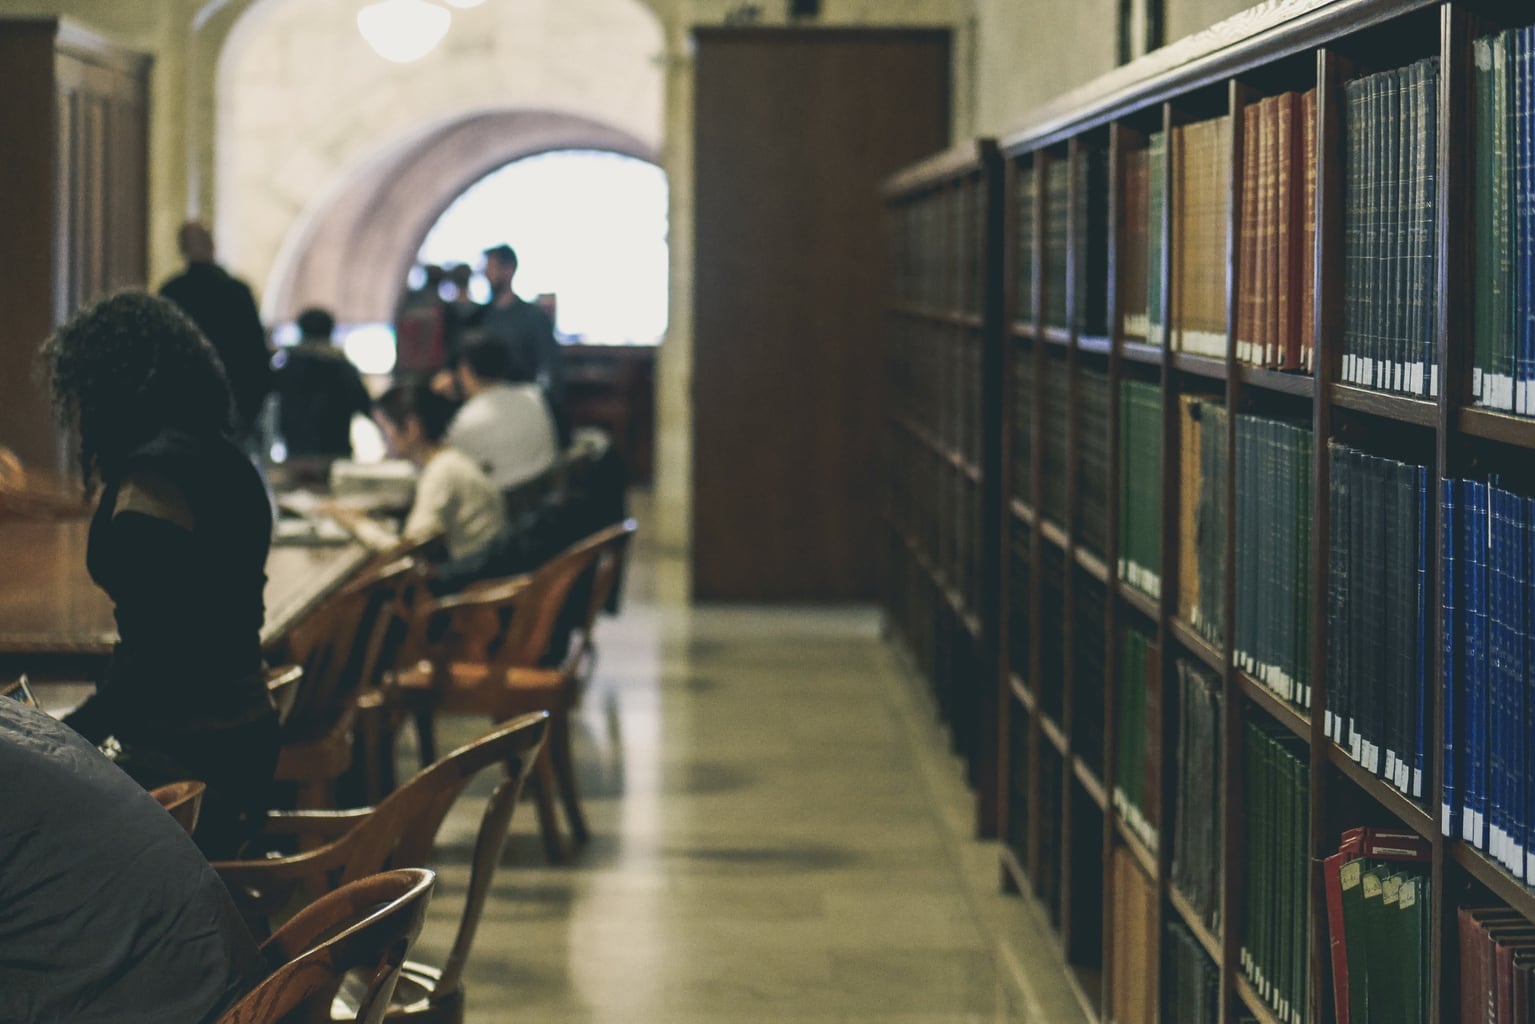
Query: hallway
(778,834)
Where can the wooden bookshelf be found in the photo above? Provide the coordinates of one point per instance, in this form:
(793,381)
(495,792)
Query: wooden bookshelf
(1040,348)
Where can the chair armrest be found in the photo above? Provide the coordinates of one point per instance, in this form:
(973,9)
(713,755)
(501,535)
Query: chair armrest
(494,594)
(313,824)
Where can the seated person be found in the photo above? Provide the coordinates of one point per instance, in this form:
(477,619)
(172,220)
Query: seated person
(108,912)
(505,424)
(453,494)
(319,391)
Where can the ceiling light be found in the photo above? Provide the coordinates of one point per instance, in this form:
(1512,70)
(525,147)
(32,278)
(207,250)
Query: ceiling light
(403,30)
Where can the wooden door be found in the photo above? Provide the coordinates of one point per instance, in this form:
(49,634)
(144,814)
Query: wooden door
(795,130)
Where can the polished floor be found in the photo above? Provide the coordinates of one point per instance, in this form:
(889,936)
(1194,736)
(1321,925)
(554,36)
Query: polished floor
(779,835)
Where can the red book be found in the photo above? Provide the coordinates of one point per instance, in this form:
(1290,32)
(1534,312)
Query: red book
(1379,844)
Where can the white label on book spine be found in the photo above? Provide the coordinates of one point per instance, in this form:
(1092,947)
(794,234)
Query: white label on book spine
(1417,783)
(1476,383)
(1433,381)
(1444,820)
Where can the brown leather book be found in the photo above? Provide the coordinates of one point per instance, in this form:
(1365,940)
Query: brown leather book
(1247,238)
(1308,231)
(1287,245)
(1263,279)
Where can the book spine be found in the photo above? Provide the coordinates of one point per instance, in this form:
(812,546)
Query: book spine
(1449,810)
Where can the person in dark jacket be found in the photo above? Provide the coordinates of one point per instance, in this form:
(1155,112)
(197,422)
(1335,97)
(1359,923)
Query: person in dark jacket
(224,309)
(318,391)
(179,543)
(108,913)
(527,332)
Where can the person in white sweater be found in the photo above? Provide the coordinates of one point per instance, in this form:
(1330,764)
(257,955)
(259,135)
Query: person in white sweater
(505,424)
(453,493)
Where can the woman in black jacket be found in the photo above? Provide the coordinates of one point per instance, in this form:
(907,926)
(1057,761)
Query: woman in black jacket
(179,543)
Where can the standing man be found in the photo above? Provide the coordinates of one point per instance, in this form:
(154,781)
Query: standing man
(526,331)
(224,309)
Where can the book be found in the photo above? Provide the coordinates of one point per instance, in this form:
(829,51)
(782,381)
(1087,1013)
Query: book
(1140,513)
(1138,756)
(1275,945)
(1202,429)
(1156,174)
(1390,220)
(1196,813)
(1134,257)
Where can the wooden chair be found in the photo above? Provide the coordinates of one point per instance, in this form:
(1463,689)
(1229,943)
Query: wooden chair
(398,832)
(493,658)
(282,683)
(378,917)
(341,650)
(25,495)
(184,800)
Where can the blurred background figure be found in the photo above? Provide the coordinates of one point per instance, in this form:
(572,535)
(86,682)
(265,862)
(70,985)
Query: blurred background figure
(420,329)
(527,332)
(463,313)
(224,309)
(504,424)
(318,391)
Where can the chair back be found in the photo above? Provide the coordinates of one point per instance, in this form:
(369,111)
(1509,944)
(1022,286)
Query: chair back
(184,801)
(597,586)
(400,831)
(542,604)
(342,647)
(367,926)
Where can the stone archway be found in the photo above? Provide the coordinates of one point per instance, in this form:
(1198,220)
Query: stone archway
(351,254)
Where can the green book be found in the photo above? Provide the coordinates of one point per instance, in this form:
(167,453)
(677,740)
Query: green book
(1410,928)
(1351,875)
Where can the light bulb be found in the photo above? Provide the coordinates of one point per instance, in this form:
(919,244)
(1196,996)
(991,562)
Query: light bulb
(403,30)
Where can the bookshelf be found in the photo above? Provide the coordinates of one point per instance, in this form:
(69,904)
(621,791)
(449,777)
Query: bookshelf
(1085,447)
(942,445)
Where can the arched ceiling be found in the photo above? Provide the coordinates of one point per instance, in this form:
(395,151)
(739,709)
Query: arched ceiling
(354,255)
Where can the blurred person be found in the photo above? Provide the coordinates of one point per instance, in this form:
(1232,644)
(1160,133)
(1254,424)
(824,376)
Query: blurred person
(462,312)
(224,309)
(420,329)
(179,544)
(318,391)
(453,494)
(504,424)
(108,912)
(527,331)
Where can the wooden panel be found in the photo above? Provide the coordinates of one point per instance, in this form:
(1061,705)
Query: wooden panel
(795,131)
(73,194)
(26,243)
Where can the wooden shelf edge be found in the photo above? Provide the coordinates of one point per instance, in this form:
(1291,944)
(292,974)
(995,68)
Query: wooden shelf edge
(953,318)
(1090,782)
(1277,707)
(1503,885)
(1092,564)
(1141,352)
(1302,385)
(1146,859)
(1097,345)
(1254,1002)
(1053,732)
(1058,336)
(1389,797)
(1087,985)
(1401,408)
(1498,426)
(1195,643)
(1143,603)
(1021,692)
(1021,330)
(1199,366)
(1052,533)
(1021,511)
(1195,924)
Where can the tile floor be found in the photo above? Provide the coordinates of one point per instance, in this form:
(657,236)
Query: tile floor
(779,834)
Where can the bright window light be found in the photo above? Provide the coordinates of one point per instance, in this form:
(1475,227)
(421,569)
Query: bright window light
(589,227)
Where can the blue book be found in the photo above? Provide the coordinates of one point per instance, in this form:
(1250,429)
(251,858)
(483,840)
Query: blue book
(1524,215)
(1494,809)
(1422,648)
(1473,536)
(1428,158)
(1449,808)
(1515,617)
(1529,688)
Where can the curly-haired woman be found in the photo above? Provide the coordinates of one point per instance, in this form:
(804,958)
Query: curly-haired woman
(179,543)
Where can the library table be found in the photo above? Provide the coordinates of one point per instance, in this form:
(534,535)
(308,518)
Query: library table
(55,623)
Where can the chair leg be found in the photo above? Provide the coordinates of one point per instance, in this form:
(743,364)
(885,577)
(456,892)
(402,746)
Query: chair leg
(543,784)
(426,734)
(565,776)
